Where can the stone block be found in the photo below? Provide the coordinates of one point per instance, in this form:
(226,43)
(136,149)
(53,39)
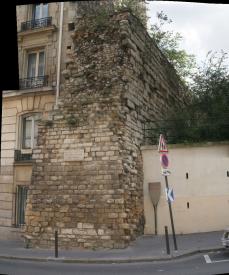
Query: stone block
(6,179)
(105,237)
(100,232)
(91,232)
(67,231)
(112,215)
(6,188)
(87,225)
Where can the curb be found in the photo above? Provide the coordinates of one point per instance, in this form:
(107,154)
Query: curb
(114,260)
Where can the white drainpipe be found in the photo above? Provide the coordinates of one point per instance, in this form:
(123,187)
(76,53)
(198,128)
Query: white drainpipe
(59,53)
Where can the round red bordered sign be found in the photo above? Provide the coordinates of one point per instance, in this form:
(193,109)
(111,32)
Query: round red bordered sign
(164,161)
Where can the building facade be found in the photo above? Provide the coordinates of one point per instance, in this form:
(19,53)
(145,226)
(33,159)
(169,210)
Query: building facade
(43,42)
(71,135)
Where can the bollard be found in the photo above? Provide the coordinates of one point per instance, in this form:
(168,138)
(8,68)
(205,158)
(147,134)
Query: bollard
(56,244)
(167,240)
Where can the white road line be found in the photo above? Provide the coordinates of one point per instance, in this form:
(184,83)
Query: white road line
(207,259)
(220,261)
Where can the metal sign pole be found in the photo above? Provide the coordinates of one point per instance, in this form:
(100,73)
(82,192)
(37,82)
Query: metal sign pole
(155,218)
(171,216)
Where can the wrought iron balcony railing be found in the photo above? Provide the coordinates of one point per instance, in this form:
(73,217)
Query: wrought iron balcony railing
(33,82)
(18,156)
(36,23)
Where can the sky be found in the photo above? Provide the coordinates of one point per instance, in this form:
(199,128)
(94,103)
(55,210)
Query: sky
(204,27)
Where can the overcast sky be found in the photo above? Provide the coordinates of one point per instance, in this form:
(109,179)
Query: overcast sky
(204,27)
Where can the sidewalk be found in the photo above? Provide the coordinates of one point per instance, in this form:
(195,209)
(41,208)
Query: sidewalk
(145,248)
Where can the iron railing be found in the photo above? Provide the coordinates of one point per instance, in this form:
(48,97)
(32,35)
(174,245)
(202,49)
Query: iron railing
(33,82)
(18,156)
(36,23)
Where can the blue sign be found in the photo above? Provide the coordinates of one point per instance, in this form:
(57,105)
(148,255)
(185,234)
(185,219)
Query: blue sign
(169,194)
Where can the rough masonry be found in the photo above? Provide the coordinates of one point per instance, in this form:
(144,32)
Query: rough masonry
(87,180)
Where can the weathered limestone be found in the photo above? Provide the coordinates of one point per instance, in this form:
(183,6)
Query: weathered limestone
(87,179)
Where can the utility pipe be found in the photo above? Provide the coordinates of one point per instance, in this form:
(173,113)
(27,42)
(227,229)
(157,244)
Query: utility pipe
(59,53)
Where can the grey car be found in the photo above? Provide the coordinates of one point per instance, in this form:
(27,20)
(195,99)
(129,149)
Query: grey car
(225,238)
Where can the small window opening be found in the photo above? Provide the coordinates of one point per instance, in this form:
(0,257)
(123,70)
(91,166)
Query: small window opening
(227,173)
(186,175)
(71,26)
(188,205)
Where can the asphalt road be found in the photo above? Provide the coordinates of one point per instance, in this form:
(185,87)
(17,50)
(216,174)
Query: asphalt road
(219,264)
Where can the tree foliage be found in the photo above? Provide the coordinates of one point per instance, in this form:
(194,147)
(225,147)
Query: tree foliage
(206,118)
(137,7)
(169,44)
(102,8)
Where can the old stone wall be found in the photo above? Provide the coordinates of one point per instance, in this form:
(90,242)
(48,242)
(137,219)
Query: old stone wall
(88,177)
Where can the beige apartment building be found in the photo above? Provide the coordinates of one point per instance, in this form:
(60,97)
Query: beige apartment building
(43,43)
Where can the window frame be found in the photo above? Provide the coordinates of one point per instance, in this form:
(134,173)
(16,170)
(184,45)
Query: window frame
(22,131)
(37,52)
(41,12)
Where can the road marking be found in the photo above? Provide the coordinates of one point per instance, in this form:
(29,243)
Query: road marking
(207,259)
(220,261)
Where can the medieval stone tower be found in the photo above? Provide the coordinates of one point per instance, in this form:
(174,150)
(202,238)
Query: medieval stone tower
(87,179)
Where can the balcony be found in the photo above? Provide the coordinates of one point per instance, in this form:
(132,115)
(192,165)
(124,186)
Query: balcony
(36,24)
(18,156)
(33,82)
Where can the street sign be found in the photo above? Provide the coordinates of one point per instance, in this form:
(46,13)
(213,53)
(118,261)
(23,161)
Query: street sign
(155,192)
(165,172)
(164,161)
(162,147)
(169,194)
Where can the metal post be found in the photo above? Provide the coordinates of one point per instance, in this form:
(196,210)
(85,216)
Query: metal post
(20,206)
(155,218)
(171,216)
(167,240)
(56,244)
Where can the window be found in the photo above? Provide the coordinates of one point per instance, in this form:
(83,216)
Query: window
(36,64)
(40,11)
(35,71)
(38,18)
(30,130)
(21,196)
(71,26)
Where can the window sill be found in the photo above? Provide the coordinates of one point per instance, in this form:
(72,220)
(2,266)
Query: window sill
(26,151)
(23,162)
(12,93)
(49,30)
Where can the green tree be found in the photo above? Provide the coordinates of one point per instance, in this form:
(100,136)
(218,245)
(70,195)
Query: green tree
(211,89)
(169,43)
(206,118)
(137,7)
(102,8)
